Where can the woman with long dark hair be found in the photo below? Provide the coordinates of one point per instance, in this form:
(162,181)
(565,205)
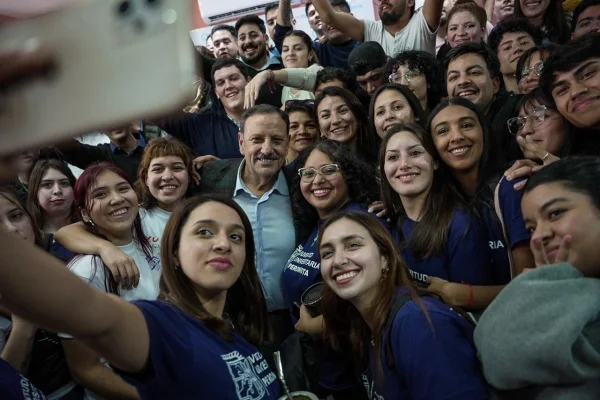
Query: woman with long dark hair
(462,141)
(330,179)
(548,15)
(109,210)
(341,117)
(437,235)
(416,348)
(393,104)
(201,338)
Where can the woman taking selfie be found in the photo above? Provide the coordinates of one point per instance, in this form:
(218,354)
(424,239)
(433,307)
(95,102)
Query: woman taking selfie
(201,339)
(369,298)
(437,235)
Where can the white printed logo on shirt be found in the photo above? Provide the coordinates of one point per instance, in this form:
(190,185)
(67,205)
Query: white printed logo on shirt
(370,386)
(245,374)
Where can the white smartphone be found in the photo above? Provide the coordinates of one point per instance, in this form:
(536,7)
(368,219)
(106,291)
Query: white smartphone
(116,61)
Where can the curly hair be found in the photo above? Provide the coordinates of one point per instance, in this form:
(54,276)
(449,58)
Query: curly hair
(363,188)
(426,63)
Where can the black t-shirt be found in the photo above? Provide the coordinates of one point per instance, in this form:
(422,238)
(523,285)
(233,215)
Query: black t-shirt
(505,144)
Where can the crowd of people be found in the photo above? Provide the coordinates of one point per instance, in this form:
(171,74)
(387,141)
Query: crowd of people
(432,174)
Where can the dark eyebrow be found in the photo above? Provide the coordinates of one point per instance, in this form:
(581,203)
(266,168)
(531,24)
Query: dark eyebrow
(415,145)
(214,222)
(344,239)
(550,203)
(577,72)
(98,189)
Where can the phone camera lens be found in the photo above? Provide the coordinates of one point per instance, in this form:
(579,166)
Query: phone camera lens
(153,3)
(124,8)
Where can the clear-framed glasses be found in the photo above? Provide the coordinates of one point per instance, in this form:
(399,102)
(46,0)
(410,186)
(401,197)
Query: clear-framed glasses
(536,70)
(411,74)
(329,172)
(535,119)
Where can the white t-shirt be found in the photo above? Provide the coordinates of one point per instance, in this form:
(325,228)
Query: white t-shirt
(154,222)
(416,35)
(91,269)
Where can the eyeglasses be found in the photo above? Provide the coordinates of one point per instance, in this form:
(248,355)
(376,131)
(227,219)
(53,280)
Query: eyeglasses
(537,116)
(328,172)
(305,103)
(411,74)
(537,69)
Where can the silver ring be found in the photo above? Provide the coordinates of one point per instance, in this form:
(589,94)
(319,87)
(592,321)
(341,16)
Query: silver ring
(545,156)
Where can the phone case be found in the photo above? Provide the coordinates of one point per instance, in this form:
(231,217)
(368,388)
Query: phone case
(116,61)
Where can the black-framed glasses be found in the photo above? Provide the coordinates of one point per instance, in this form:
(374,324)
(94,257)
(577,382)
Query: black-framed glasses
(304,103)
(411,74)
(536,70)
(329,172)
(535,119)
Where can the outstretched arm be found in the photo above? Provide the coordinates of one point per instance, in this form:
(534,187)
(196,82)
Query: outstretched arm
(48,295)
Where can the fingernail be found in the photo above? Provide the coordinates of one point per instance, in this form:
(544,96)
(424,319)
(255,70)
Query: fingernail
(509,177)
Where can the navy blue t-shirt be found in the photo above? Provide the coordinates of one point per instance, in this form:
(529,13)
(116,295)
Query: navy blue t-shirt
(206,133)
(189,361)
(467,258)
(436,361)
(510,205)
(500,265)
(303,270)
(329,55)
(14,386)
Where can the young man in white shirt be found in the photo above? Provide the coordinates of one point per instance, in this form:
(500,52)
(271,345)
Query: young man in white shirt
(396,31)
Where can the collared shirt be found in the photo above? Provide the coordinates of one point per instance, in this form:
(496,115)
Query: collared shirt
(274,234)
(141,144)
(272,60)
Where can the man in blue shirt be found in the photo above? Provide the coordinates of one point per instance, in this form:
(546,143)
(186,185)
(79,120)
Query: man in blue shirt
(335,51)
(213,132)
(260,185)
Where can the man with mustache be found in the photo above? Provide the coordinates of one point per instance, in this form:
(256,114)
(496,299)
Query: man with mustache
(472,71)
(334,51)
(252,40)
(260,183)
(397,30)
(510,39)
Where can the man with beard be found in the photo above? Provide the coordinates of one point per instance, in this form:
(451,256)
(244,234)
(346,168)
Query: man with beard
(260,184)
(337,47)
(397,31)
(472,71)
(252,42)
(214,132)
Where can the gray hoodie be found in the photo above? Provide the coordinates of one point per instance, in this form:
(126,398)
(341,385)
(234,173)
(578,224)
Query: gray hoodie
(543,329)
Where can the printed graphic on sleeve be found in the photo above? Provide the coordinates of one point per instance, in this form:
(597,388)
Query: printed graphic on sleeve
(251,375)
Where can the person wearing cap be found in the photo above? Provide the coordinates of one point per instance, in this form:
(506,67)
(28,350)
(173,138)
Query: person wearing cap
(368,62)
(400,28)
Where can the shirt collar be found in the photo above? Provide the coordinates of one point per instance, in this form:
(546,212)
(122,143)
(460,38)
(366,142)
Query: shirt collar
(141,144)
(280,186)
(272,60)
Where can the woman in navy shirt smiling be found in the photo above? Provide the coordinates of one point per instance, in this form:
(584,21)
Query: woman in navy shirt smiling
(464,147)
(330,178)
(424,350)
(197,342)
(437,235)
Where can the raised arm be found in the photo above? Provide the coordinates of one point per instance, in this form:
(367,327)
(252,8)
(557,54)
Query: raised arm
(432,11)
(77,239)
(344,22)
(47,294)
(284,12)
